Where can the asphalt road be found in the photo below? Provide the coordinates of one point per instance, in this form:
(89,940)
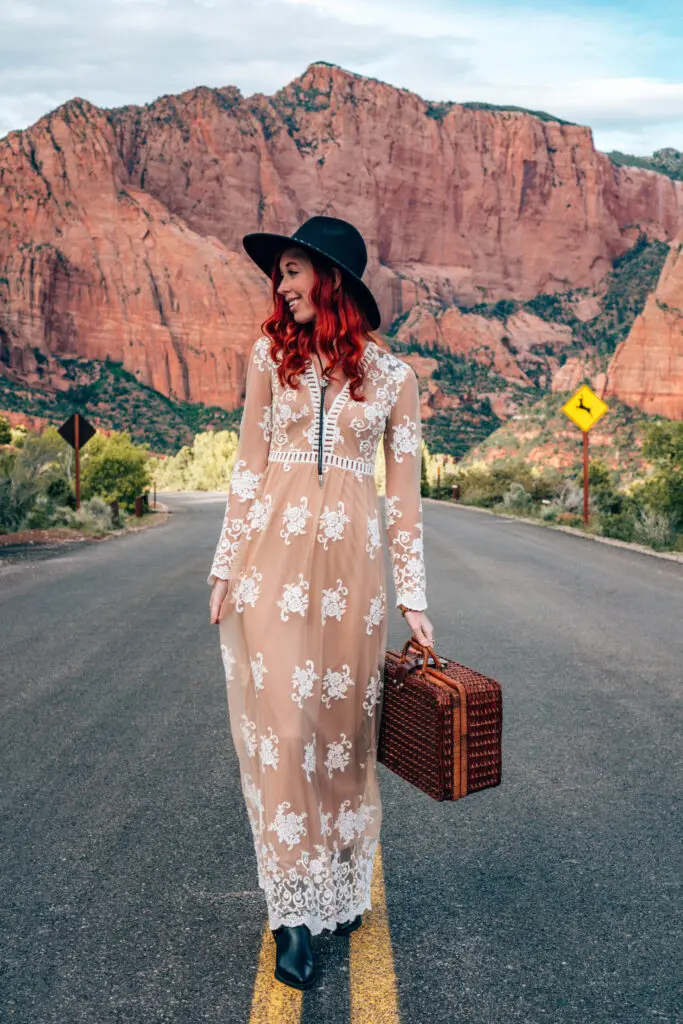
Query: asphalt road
(128,888)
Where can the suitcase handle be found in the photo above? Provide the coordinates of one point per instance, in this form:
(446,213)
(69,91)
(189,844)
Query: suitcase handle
(427,653)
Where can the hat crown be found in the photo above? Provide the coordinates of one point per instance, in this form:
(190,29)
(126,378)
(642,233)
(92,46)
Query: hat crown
(341,241)
(331,237)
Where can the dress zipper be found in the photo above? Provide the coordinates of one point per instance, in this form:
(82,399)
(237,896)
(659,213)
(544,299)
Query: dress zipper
(323,385)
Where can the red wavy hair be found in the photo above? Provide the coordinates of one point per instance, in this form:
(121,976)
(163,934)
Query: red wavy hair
(338,331)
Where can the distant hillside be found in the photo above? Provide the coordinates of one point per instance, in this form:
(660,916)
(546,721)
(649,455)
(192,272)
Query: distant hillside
(113,399)
(667,161)
(541,434)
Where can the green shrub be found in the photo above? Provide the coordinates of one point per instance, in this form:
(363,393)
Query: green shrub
(205,465)
(663,491)
(60,492)
(94,515)
(516,499)
(619,526)
(115,469)
(654,528)
(16,500)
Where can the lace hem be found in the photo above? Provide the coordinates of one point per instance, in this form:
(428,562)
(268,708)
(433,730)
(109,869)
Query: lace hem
(319,924)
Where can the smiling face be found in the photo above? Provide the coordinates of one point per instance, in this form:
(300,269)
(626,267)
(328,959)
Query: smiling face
(298,278)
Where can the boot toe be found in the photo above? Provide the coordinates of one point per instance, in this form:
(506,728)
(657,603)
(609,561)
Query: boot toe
(295,964)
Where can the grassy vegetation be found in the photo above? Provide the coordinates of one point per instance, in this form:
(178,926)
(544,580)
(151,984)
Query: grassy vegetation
(666,161)
(646,511)
(633,277)
(113,398)
(541,424)
(454,431)
(510,108)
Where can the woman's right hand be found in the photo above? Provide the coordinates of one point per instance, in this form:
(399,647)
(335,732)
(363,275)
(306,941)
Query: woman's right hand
(218,592)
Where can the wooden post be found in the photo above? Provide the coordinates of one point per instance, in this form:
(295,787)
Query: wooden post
(585,478)
(438,481)
(78,463)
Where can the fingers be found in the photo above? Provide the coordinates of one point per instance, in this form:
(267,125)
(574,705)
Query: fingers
(424,633)
(214,611)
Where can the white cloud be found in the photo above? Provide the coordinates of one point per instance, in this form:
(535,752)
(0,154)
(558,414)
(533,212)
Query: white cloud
(587,66)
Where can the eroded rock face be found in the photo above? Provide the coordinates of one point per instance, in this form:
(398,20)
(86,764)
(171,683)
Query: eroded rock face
(575,371)
(120,232)
(508,347)
(92,266)
(647,367)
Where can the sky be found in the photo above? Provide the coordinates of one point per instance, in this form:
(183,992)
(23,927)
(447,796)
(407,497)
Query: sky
(614,65)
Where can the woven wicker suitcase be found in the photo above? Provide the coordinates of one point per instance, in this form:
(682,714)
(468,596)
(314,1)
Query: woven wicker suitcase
(441,725)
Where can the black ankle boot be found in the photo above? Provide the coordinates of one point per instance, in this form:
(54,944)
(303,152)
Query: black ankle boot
(294,964)
(348,926)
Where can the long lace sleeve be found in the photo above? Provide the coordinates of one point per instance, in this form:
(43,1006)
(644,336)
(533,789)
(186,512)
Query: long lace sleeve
(403,503)
(250,461)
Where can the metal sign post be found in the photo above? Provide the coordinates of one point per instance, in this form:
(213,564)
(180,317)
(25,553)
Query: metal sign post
(77,431)
(584,409)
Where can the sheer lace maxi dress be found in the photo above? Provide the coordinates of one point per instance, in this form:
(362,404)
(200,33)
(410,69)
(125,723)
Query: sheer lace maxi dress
(303,626)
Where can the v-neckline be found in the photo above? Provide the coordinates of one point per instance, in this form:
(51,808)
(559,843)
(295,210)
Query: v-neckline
(338,400)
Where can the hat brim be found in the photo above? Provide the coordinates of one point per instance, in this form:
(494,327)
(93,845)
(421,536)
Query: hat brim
(263,248)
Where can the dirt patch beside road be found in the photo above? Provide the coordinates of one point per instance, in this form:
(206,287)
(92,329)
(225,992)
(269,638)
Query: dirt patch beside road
(60,535)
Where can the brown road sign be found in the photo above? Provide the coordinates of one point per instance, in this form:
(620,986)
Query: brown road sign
(584,408)
(85,430)
(77,431)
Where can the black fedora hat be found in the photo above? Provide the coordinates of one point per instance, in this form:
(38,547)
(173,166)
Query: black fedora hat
(338,240)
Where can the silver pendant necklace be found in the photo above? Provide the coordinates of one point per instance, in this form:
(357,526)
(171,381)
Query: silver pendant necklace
(323,385)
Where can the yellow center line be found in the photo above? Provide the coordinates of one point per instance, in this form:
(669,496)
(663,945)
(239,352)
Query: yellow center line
(372,976)
(273,1002)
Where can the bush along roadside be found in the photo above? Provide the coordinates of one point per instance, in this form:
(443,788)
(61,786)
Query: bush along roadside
(37,482)
(649,512)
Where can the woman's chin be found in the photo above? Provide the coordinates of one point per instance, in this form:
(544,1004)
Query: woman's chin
(302,317)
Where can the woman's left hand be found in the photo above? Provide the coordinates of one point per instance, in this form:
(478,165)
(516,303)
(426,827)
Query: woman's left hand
(422,628)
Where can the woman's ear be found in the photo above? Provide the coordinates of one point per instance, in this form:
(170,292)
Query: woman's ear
(337,278)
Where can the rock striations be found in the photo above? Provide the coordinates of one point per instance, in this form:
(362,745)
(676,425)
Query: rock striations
(120,230)
(647,368)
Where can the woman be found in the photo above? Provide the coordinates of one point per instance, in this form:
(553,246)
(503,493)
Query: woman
(299,588)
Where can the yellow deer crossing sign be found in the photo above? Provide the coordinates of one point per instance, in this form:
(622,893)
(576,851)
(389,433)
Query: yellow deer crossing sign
(585,408)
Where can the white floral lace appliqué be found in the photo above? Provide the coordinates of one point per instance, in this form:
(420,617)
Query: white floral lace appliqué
(247,590)
(309,763)
(228,661)
(335,685)
(289,826)
(338,755)
(269,753)
(331,524)
(373,539)
(294,598)
(303,681)
(258,670)
(294,519)
(334,602)
(376,613)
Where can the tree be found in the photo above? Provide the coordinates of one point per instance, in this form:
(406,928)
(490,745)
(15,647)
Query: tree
(663,491)
(115,469)
(5,431)
(206,466)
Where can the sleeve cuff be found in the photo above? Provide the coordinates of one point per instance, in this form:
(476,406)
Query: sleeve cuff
(215,576)
(414,602)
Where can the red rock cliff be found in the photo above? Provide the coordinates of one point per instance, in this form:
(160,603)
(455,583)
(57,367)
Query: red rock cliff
(120,231)
(647,368)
